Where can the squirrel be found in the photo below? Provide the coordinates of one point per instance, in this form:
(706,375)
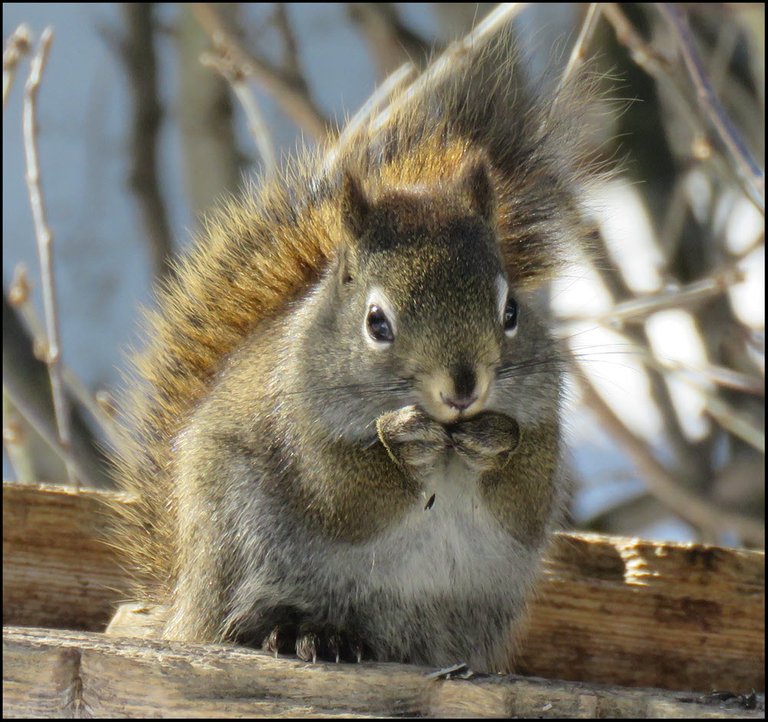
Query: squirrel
(345,435)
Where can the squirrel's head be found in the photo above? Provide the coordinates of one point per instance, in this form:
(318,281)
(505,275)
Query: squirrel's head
(417,307)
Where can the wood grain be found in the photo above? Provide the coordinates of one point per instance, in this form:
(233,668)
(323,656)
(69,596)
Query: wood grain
(57,570)
(650,614)
(55,673)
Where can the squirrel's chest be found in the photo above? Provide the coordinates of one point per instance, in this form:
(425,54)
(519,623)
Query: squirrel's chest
(449,542)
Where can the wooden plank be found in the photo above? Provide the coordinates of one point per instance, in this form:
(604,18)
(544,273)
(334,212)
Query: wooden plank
(609,610)
(650,614)
(57,570)
(54,673)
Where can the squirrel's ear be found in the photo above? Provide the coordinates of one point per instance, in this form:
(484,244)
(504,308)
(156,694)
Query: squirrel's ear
(476,183)
(355,206)
(346,263)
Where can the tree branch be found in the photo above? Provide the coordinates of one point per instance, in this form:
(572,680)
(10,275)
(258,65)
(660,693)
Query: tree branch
(290,90)
(138,54)
(746,167)
(45,252)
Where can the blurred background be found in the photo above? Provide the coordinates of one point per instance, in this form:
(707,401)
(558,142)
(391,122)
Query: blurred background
(149,113)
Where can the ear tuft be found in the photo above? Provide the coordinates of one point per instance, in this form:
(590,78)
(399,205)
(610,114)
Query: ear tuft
(476,183)
(355,206)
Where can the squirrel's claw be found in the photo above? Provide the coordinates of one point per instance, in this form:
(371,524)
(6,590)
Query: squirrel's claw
(271,643)
(334,646)
(356,646)
(306,646)
(280,640)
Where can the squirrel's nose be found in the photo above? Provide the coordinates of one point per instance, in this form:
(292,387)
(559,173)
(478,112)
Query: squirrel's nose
(464,388)
(458,402)
(456,392)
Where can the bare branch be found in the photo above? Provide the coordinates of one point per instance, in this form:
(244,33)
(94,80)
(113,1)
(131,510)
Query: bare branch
(19,299)
(395,82)
(213,162)
(291,64)
(16,47)
(391,42)
(45,251)
(718,375)
(637,309)
(289,90)
(471,43)
(31,414)
(737,423)
(256,122)
(662,484)
(746,167)
(16,443)
(138,54)
(646,57)
(579,51)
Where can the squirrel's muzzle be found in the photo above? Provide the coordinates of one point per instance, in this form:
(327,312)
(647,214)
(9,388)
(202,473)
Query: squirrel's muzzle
(459,392)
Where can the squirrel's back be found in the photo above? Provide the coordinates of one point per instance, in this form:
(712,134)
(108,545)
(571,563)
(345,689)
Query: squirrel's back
(266,247)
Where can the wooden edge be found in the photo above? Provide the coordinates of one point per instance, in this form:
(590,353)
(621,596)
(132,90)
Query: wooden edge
(52,672)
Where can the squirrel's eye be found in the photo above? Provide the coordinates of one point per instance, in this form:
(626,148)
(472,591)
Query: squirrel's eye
(378,326)
(511,313)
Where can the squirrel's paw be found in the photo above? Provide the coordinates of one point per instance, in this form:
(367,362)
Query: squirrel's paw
(414,440)
(309,645)
(486,441)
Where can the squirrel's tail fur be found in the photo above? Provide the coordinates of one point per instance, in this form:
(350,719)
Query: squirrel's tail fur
(265,247)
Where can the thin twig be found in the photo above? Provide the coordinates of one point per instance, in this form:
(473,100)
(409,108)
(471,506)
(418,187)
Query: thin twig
(391,42)
(579,51)
(675,215)
(16,47)
(746,167)
(16,443)
(45,251)
(646,57)
(727,42)
(389,88)
(291,91)
(291,64)
(43,430)
(256,122)
(637,309)
(735,422)
(663,485)
(718,375)
(445,64)
(19,299)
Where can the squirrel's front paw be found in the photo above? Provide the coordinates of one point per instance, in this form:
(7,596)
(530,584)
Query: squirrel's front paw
(486,441)
(414,440)
(309,645)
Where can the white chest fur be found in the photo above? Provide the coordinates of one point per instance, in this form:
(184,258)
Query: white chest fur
(451,545)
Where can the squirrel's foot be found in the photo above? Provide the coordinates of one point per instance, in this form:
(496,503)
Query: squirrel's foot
(413,439)
(486,441)
(310,645)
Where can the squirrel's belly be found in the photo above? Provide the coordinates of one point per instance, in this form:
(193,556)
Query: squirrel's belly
(448,543)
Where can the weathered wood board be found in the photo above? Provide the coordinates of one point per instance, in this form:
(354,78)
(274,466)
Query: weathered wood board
(609,610)
(58,673)
(634,612)
(57,570)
